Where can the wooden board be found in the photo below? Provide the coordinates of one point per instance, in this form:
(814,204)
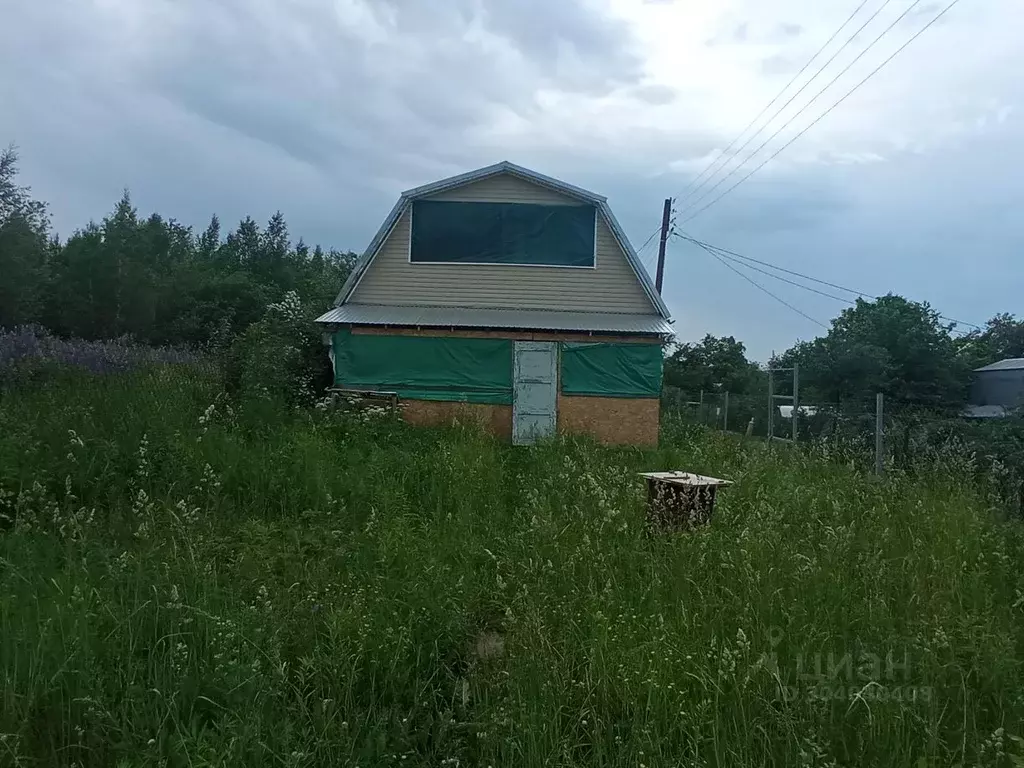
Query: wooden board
(685,478)
(496,419)
(611,420)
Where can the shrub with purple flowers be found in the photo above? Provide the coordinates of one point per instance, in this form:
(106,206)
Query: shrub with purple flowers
(31,346)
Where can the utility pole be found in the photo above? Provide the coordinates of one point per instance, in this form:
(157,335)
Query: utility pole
(665,216)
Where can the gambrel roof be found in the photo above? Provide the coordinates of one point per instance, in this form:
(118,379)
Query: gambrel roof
(556,185)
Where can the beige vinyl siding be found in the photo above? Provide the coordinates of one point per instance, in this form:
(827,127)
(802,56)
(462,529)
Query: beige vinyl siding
(504,188)
(610,287)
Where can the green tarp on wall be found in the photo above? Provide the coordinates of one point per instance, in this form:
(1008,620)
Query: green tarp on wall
(611,370)
(502,233)
(425,368)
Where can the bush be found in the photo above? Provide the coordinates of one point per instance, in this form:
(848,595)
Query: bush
(280,358)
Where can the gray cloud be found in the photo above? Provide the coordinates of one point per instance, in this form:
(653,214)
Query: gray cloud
(321,90)
(773,204)
(751,32)
(328,110)
(542,30)
(654,94)
(779,64)
(388,95)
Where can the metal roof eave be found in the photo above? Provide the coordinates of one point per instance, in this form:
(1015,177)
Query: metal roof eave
(406,198)
(1009,364)
(488,318)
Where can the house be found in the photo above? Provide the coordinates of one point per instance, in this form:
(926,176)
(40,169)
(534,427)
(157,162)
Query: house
(998,387)
(510,298)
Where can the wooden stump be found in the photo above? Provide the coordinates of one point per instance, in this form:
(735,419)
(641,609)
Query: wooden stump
(680,501)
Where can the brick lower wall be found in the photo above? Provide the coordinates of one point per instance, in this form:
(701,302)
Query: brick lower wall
(496,419)
(611,420)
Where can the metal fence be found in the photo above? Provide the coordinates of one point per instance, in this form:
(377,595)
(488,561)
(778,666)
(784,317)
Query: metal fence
(880,434)
(747,414)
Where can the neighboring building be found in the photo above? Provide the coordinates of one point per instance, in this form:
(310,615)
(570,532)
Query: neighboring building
(806,411)
(984,412)
(510,298)
(1000,384)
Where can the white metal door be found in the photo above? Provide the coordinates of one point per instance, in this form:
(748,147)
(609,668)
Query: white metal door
(535,395)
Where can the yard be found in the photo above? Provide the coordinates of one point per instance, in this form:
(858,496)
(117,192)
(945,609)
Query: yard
(184,582)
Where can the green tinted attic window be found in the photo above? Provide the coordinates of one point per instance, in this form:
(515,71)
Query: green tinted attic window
(502,233)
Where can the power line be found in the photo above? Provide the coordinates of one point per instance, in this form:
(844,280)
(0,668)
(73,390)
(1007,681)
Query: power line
(781,269)
(741,259)
(686,193)
(824,114)
(760,287)
(648,240)
(813,98)
(640,250)
(722,258)
(647,260)
(784,279)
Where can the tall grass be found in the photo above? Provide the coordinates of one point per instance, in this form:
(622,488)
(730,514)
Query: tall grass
(184,585)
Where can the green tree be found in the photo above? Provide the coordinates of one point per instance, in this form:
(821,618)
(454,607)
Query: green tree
(24,247)
(242,248)
(1001,338)
(71,298)
(273,252)
(209,241)
(713,364)
(891,345)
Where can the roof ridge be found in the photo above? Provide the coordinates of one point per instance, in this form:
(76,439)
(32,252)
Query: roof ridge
(504,166)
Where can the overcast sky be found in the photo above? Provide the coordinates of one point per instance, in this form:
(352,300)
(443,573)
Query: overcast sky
(328,110)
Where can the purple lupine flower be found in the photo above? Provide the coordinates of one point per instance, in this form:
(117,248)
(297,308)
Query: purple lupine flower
(33,343)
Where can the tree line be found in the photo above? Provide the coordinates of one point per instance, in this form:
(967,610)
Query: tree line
(151,278)
(901,348)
